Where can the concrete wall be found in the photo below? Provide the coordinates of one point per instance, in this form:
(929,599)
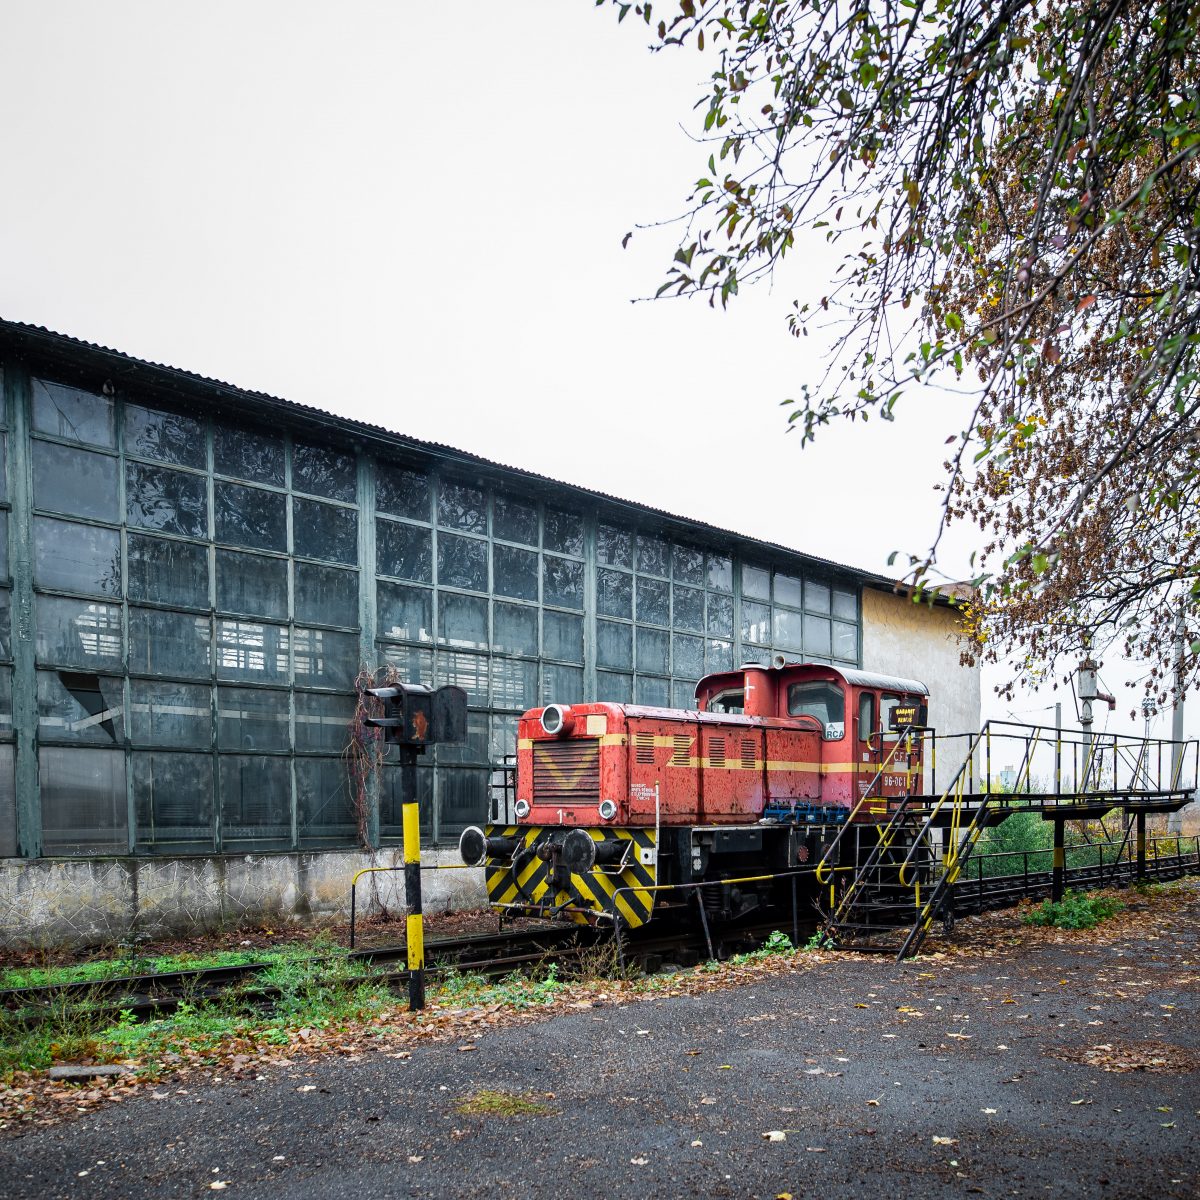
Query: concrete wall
(56,901)
(917,641)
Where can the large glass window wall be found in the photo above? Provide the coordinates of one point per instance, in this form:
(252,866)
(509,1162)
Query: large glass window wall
(204,594)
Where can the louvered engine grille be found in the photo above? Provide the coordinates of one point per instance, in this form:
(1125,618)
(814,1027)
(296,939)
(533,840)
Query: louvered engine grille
(566,771)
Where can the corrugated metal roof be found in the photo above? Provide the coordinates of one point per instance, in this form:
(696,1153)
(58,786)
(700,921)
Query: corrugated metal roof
(49,345)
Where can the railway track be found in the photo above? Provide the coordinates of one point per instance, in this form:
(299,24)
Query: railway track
(499,954)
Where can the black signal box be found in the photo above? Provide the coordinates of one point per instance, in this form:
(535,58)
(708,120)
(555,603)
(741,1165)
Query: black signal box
(416,715)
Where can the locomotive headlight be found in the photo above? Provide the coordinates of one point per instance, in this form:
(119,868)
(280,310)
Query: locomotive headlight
(521,808)
(557,719)
(608,810)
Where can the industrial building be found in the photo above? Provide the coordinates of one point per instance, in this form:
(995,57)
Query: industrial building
(192,577)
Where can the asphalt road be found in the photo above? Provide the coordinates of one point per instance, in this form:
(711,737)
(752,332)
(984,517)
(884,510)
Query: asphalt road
(859,1064)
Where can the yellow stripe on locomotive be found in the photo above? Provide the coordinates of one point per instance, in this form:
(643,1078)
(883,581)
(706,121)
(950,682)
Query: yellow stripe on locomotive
(585,874)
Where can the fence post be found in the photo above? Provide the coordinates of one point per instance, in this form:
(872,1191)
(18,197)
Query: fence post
(1060,861)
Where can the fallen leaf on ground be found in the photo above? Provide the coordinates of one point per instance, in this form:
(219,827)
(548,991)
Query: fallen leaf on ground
(776,1135)
(938,1140)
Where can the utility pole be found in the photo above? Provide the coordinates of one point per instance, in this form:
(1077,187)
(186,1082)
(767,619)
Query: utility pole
(1175,820)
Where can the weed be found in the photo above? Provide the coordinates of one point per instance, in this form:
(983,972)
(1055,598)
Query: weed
(1076,910)
(777,944)
(492,1103)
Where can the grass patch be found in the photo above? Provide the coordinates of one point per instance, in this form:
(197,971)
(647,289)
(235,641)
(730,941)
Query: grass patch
(493,1103)
(1077,910)
(777,945)
(514,991)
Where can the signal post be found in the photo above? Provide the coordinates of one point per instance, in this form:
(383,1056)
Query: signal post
(416,716)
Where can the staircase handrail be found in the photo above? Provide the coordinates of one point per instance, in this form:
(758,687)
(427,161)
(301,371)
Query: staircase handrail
(827,857)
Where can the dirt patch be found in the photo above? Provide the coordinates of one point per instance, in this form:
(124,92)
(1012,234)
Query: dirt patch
(1130,1056)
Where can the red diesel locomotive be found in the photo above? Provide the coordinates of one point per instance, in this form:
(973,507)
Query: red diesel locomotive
(614,802)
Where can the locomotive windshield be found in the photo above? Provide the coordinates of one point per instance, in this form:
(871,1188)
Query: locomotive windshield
(733,701)
(825,701)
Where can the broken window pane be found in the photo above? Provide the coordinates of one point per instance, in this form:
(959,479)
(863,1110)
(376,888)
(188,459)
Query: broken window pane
(562,636)
(251,650)
(405,612)
(249,516)
(323,722)
(614,593)
(562,582)
(325,805)
(461,507)
(326,595)
(653,648)
(462,621)
(404,493)
(515,572)
(167,643)
(462,562)
(173,800)
(689,608)
(76,558)
(247,455)
(653,602)
(256,800)
(173,501)
(170,714)
(67,412)
(404,551)
(80,633)
(514,629)
(252,719)
(564,532)
(325,531)
(324,472)
(79,706)
(167,437)
(515,521)
(845,641)
(84,809)
(80,483)
(163,571)
(251,584)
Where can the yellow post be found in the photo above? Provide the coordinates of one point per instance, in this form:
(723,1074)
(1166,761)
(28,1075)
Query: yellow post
(415,941)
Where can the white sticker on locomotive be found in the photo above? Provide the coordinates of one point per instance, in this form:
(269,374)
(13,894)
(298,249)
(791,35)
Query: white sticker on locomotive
(641,791)
(835,731)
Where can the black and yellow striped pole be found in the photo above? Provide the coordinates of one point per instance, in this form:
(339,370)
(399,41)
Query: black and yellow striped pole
(415,940)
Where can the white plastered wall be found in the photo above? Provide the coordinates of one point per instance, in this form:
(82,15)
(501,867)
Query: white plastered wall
(921,641)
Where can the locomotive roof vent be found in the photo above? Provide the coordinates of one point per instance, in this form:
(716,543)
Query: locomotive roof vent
(557,719)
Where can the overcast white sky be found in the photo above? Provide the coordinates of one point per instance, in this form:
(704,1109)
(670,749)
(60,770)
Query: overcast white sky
(412,213)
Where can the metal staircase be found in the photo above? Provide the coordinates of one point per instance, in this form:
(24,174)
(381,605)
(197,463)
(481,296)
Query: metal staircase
(886,883)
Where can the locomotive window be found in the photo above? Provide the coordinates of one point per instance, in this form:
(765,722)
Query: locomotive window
(886,707)
(728,702)
(825,701)
(866,715)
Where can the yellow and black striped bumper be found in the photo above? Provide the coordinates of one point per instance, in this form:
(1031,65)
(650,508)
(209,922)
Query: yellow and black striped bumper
(531,885)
